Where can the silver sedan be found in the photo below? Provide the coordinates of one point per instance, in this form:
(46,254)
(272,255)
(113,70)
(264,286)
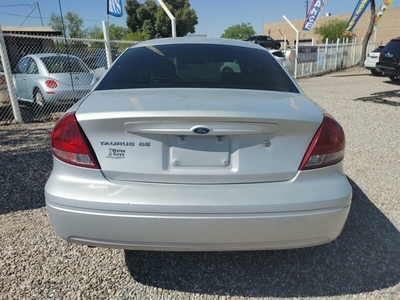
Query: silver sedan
(52,78)
(170,153)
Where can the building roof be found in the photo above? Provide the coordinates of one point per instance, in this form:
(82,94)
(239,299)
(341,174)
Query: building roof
(30,30)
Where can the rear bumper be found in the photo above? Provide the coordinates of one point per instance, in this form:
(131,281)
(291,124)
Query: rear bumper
(388,69)
(370,64)
(307,211)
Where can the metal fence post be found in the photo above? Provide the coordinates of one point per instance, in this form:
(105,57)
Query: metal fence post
(337,54)
(107,44)
(326,53)
(8,73)
(311,64)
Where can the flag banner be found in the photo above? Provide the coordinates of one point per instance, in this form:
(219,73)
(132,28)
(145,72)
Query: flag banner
(358,11)
(114,8)
(381,11)
(313,13)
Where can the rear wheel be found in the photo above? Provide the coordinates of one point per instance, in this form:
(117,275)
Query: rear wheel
(38,104)
(394,78)
(376,73)
(277,46)
(39,99)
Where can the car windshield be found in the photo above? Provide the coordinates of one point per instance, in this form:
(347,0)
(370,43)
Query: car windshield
(197,66)
(64,64)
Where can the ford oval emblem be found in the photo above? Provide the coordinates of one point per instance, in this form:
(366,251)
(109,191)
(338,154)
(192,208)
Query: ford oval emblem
(201,129)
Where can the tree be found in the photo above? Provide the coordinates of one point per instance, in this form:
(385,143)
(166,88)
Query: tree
(72,22)
(95,33)
(117,32)
(239,31)
(149,18)
(368,34)
(331,30)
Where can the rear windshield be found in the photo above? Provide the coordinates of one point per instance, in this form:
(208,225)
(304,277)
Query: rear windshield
(379,49)
(392,46)
(197,66)
(64,64)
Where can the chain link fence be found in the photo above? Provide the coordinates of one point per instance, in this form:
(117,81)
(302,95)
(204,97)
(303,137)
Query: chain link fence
(42,76)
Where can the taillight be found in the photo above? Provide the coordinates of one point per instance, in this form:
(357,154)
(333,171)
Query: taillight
(69,143)
(327,146)
(51,84)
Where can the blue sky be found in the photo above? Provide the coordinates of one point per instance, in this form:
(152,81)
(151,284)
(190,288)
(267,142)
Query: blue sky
(214,16)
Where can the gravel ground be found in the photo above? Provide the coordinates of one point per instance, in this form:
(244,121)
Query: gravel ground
(363,263)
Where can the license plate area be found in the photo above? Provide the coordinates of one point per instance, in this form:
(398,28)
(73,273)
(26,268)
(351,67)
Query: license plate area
(199,151)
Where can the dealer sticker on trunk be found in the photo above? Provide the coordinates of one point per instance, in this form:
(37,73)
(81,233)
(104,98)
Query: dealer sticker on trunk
(116,153)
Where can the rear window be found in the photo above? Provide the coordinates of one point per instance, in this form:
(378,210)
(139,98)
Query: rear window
(278,54)
(64,64)
(392,46)
(379,49)
(197,66)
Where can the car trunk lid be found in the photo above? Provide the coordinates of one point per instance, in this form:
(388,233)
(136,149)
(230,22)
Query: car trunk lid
(199,136)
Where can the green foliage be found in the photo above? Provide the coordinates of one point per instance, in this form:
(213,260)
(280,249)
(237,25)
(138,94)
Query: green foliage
(72,22)
(150,19)
(131,39)
(117,32)
(239,31)
(136,36)
(331,30)
(95,33)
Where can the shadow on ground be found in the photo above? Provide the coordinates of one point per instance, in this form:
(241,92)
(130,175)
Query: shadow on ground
(351,75)
(25,164)
(364,258)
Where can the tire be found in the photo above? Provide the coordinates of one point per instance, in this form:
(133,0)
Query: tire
(376,73)
(277,46)
(38,98)
(394,78)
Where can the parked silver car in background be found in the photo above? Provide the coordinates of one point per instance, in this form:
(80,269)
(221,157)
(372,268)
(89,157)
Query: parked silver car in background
(170,152)
(278,54)
(52,78)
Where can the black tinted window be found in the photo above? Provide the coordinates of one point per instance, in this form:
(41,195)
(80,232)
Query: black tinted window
(379,49)
(64,64)
(392,46)
(197,65)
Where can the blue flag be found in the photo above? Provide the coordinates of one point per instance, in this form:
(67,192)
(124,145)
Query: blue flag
(114,8)
(358,11)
